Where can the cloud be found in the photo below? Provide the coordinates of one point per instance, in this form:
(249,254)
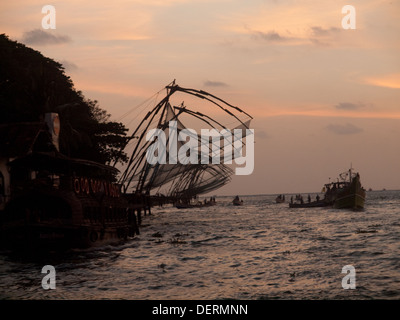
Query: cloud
(261,134)
(344,129)
(318,31)
(321,36)
(349,106)
(391,81)
(68,65)
(270,36)
(317,35)
(41,37)
(209,83)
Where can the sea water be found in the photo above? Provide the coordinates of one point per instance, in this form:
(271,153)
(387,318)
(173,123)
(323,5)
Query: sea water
(261,250)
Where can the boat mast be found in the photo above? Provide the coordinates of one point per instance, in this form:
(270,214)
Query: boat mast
(350,171)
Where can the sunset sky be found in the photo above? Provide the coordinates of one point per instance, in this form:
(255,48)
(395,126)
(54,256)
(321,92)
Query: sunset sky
(322,97)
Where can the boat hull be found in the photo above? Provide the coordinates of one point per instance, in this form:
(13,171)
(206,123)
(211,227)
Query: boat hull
(354,201)
(314,204)
(351,198)
(189,206)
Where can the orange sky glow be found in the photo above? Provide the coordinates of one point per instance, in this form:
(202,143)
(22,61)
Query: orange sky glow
(322,97)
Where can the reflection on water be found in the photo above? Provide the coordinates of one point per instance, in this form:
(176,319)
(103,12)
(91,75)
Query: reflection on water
(261,250)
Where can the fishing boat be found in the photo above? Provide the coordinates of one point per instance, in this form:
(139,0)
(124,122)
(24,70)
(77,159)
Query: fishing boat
(313,204)
(182,205)
(280,199)
(237,201)
(347,192)
(194,203)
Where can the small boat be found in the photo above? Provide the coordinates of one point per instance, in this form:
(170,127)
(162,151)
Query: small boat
(314,204)
(198,204)
(237,201)
(280,199)
(188,205)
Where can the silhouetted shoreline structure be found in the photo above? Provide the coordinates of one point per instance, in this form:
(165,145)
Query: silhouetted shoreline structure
(49,200)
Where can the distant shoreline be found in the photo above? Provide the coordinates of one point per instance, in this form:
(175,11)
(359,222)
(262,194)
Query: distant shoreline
(287,193)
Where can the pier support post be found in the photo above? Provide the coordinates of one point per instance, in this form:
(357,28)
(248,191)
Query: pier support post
(139,216)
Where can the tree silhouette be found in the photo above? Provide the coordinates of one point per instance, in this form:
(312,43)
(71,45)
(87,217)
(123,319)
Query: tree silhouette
(31,85)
